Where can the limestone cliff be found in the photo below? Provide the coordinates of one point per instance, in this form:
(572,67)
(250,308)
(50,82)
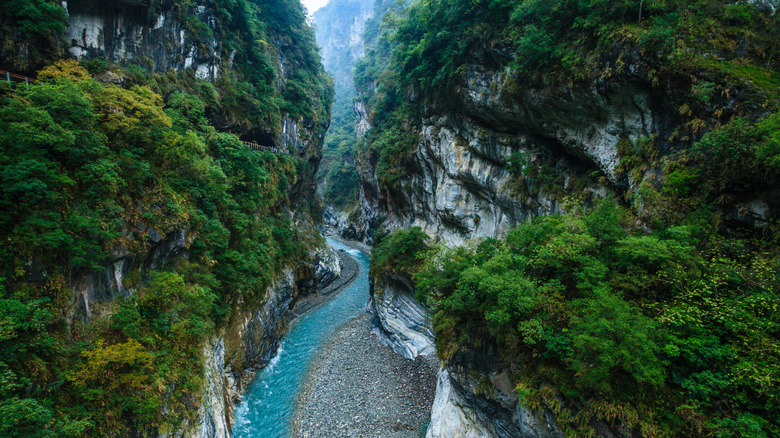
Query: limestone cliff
(248,78)
(340,28)
(487,153)
(459,183)
(402,322)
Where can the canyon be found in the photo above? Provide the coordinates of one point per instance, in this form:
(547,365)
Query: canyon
(545,189)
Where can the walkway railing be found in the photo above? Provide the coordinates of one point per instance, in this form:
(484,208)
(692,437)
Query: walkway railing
(259,147)
(13,76)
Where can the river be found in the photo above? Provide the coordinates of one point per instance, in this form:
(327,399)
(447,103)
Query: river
(268,406)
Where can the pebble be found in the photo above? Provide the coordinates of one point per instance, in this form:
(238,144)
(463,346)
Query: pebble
(359,387)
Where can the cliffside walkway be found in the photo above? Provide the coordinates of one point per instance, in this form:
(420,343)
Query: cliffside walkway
(259,147)
(9,77)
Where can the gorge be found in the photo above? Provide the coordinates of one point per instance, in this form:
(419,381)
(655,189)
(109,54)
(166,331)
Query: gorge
(571,208)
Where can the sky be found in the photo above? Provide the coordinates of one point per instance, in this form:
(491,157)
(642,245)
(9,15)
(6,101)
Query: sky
(313,5)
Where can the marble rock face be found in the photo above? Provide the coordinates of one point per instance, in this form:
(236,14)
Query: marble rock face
(130,31)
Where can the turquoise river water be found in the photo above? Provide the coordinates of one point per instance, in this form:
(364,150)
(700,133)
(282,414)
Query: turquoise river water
(269,402)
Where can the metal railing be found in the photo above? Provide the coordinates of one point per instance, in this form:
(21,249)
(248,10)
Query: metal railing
(13,76)
(259,147)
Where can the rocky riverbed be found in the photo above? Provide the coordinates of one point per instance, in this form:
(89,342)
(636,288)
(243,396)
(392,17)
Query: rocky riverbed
(349,270)
(358,387)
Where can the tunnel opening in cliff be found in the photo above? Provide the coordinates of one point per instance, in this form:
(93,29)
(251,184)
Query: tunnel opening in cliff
(259,137)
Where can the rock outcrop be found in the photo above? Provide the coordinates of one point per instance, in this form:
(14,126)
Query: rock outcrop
(132,31)
(472,398)
(462,182)
(188,40)
(466,407)
(344,227)
(233,357)
(403,323)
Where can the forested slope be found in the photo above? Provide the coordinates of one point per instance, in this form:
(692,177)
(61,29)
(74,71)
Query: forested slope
(136,225)
(339,28)
(617,163)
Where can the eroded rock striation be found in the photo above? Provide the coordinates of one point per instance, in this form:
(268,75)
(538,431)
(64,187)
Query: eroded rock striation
(402,322)
(487,155)
(197,43)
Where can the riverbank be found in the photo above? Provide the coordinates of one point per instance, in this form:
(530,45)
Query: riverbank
(349,271)
(360,246)
(268,406)
(358,387)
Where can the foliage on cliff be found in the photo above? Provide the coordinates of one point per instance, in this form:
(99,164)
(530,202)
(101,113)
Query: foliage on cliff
(713,60)
(661,319)
(338,152)
(399,253)
(674,333)
(392,134)
(31,32)
(254,38)
(569,40)
(91,169)
(336,24)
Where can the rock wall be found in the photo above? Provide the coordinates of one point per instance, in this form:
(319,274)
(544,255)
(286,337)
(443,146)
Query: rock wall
(464,408)
(344,226)
(184,38)
(473,399)
(131,31)
(233,357)
(401,322)
(155,36)
(93,287)
(460,181)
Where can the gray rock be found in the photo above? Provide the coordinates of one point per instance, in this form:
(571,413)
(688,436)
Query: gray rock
(401,321)
(451,417)
(358,387)
(132,32)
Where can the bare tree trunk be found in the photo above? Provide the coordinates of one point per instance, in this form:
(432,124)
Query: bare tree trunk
(641,4)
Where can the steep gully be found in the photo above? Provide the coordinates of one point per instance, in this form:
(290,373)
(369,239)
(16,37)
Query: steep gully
(268,405)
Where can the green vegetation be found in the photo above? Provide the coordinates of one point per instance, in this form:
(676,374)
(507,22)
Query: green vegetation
(81,162)
(89,169)
(398,253)
(674,333)
(569,40)
(335,22)
(246,30)
(40,24)
(341,189)
(393,132)
(700,53)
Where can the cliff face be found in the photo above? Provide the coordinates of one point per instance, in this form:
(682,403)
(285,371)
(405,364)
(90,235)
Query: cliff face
(339,31)
(487,153)
(121,31)
(402,322)
(234,75)
(459,182)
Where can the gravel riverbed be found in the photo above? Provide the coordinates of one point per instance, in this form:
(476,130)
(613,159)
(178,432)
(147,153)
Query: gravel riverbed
(349,270)
(358,387)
